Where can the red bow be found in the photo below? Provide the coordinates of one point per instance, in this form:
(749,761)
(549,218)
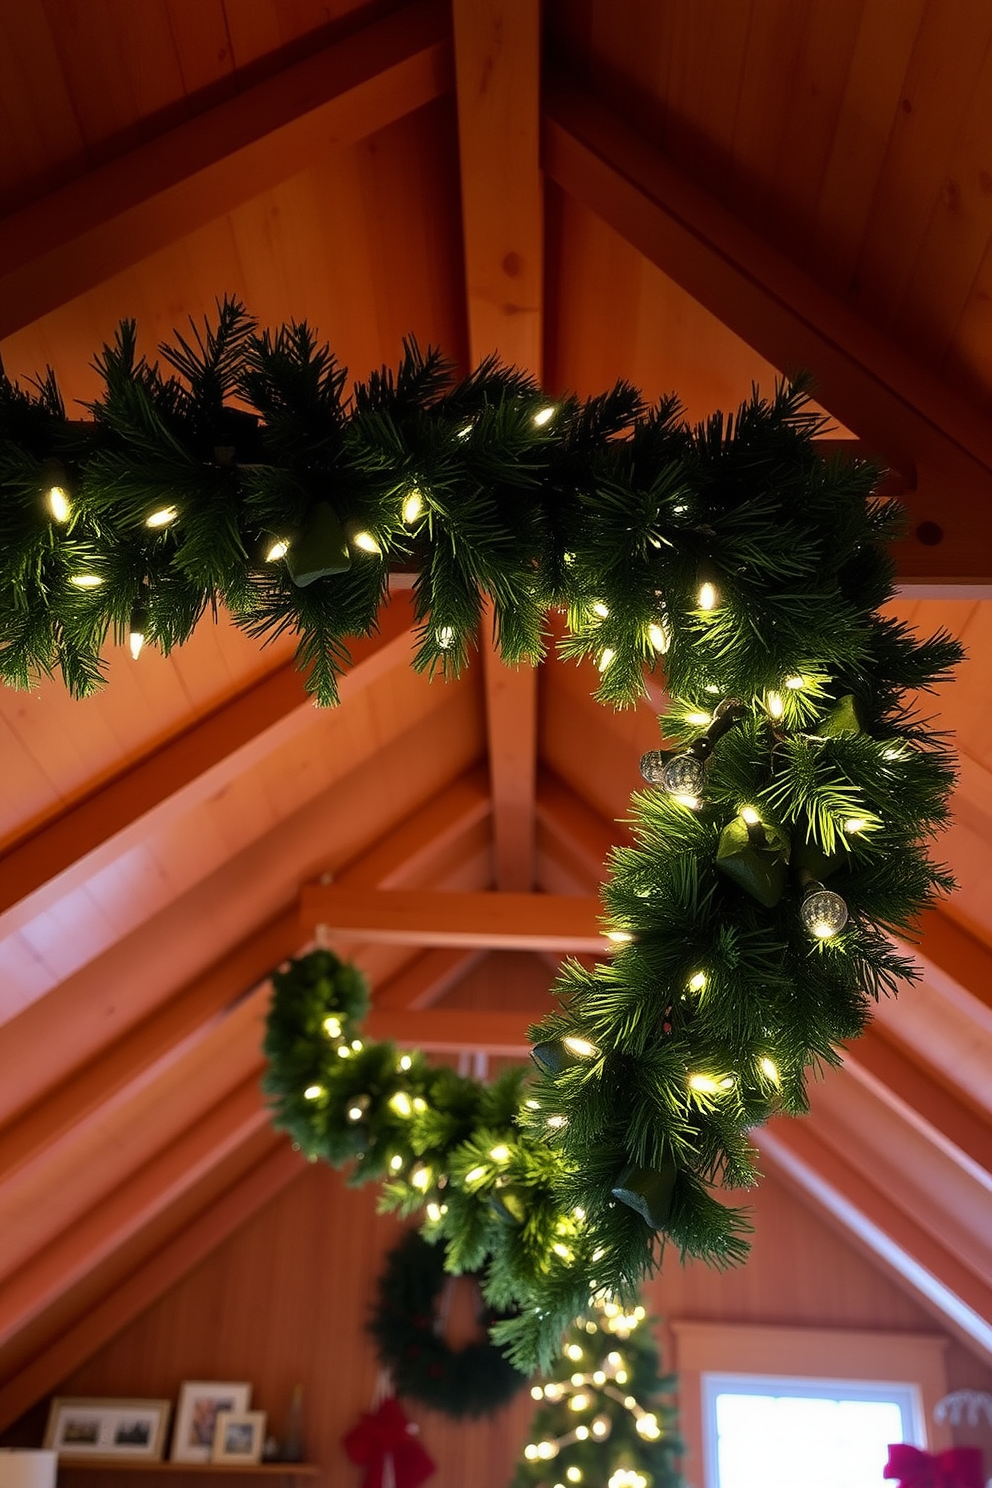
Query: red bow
(961,1467)
(383,1433)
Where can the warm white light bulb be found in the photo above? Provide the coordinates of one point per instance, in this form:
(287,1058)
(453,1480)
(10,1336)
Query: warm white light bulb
(774,704)
(395,1163)
(366,542)
(313,1092)
(421,1179)
(400,1103)
(750,816)
(474,1174)
(446,637)
(85,581)
(600,610)
(343,1051)
(855,824)
(704,1084)
(619,937)
(500,1153)
(582,1433)
(433,1212)
(605,658)
(277,550)
(707,596)
(405,1062)
(332,1026)
(573,1474)
(795,683)
(544,416)
(58,503)
(697,983)
(698,719)
(579,1402)
(135,640)
(556,1121)
(164,517)
(413,506)
(769,1069)
(659,638)
(573,1352)
(580,1046)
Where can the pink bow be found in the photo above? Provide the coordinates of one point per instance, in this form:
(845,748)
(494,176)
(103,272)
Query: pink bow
(961,1467)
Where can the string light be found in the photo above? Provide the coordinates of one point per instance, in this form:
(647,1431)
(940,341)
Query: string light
(855,824)
(501,1153)
(580,1046)
(605,658)
(413,506)
(343,1051)
(769,1069)
(366,542)
(313,1092)
(332,1026)
(405,1062)
(400,1103)
(709,1084)
(58,503)
(774,704)
(85,580)
(697,982)
(475,1174)
(750,816)
(573,1352)
(619,937)
(421,1178)
(794,684)
(823,913)
(544,416)
(573,1474)
(434,1215)
(579,1402)
(276,550)
(395,1163)
(659,637)
(163,517)
(600,610)
(446,637)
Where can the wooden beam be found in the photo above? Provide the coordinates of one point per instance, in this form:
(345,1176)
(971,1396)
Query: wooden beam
(406,855)
(423,980)
(934,1274)
(520,922)
(452,1030)
(118,214)
(122,1213)
(511,728)
(121,1072)
(149,1281)
(497,77)
(904,413)
(195,763)
(937,1112)
(954,959)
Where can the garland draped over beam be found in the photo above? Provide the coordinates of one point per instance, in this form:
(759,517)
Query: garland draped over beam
(785,835)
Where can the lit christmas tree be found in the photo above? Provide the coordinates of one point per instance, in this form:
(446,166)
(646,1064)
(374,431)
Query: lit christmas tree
(604,1420)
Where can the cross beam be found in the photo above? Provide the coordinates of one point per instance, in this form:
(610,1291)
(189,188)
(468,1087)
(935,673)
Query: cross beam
(507,922)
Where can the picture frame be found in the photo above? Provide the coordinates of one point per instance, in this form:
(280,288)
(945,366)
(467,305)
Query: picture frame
(107,1430)
(239,1436)
(200,1401)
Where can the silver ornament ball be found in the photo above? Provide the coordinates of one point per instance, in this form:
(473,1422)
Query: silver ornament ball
(684,776)
(823,913)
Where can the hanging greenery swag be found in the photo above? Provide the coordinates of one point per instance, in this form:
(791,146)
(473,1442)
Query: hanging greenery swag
(784,834)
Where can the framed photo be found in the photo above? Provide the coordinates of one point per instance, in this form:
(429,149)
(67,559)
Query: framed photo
(238,1436)
(200,1402)
(107,1430)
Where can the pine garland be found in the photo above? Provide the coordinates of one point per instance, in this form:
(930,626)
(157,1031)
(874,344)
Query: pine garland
(794,795)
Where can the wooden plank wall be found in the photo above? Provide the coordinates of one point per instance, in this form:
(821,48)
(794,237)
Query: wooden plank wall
(284,1300)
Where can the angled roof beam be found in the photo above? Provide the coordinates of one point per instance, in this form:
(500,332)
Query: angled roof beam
(509,922)
(188,767)
(497,77)
(118,214)
(902,412)
(424,980)
(134,1204)
(120,1072)
(890,1236)
(150,1280)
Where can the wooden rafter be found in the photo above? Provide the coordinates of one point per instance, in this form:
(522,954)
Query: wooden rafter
(118,214)
(456,1030)
(890,1236)
(497,75)
(425,979)
(76,843)
(129,1297)
(903,413)
(521,922)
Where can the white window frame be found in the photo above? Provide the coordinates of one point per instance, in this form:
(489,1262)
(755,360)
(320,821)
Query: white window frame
(844,1357)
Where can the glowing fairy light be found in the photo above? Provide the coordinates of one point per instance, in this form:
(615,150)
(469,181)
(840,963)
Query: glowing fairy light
(163,517)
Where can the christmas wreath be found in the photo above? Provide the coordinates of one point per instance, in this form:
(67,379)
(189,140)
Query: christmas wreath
(471,1381)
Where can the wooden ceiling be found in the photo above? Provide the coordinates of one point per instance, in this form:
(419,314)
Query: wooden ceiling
(693,194)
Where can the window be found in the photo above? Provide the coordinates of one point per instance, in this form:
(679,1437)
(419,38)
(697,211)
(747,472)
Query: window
(744,1388)
(775,1432)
